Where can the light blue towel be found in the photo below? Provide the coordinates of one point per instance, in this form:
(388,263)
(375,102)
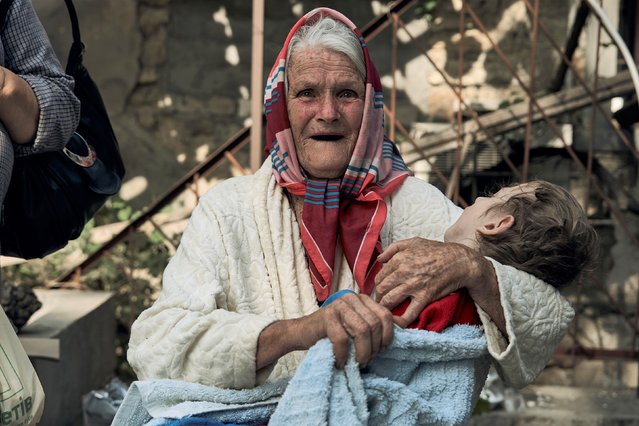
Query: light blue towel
(423,378)
(147,401)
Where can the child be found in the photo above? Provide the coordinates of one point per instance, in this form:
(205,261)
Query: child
(536,227)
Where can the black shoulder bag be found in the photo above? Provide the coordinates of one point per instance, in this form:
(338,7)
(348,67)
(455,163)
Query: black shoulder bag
(52,195)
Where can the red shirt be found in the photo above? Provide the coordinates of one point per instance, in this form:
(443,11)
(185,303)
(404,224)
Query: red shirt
(456,308)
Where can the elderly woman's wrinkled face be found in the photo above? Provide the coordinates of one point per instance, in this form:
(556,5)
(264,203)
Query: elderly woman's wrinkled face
(325,103)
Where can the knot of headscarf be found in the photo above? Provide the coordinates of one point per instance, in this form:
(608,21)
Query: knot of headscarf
(350,208)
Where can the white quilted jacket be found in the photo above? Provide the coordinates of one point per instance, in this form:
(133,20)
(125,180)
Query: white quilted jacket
(241,265)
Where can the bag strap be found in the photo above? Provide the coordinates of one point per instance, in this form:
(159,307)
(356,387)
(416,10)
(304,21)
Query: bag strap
(77,48)
(75,26)
(4,11)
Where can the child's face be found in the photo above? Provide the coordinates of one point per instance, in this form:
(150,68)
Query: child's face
(481,215)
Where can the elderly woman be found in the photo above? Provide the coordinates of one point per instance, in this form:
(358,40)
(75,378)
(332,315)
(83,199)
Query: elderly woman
(241,298)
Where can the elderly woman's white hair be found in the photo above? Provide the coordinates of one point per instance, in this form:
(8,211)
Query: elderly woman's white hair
(330,34)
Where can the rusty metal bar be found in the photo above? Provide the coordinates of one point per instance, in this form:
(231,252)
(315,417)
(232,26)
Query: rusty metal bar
(588,173)
(597,353)
(393,98)
(552,125)
(582,82)
(236,164)
(158,228)
(194,187)
(593,120)
(456,173)
(257,71)
(377,25)
(472,112)
(531,73)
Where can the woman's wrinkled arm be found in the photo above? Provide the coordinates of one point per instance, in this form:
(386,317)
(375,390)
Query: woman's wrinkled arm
(424,271)
(353,317)
(37,103)
(524,318)
(188,333)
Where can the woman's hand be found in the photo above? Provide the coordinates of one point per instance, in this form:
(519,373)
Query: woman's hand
(425,271)
(352,316)
(357,317)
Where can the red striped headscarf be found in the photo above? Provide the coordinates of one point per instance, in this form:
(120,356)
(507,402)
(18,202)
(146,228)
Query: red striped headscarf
(351,207)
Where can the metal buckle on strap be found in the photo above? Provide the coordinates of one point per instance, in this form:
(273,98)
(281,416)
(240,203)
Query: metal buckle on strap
(83,161)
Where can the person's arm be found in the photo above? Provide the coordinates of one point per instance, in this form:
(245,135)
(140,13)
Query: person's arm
(429,270)
(33,72)
(195,331)
(352,316)
(537,317)
(523,317)
(484,291)
(19,110)
(216,326)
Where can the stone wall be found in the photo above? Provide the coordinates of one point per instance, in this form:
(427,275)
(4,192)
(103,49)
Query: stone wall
(175,75)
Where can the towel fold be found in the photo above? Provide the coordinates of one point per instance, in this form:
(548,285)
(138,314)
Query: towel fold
(175,399)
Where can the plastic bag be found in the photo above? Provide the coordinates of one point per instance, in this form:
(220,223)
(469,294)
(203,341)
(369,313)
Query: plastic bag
(21,394)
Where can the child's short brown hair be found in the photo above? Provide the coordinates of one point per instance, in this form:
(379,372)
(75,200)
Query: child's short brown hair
(551,237)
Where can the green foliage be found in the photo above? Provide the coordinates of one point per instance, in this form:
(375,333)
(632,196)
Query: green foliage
(427,9)
(115,210)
